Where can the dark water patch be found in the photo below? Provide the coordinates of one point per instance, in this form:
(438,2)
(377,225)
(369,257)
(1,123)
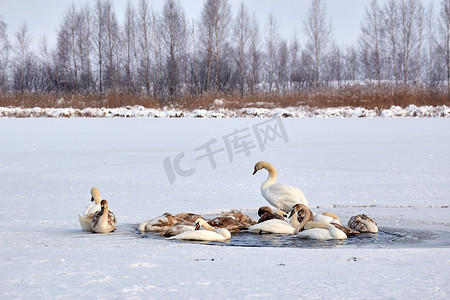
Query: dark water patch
(387,237)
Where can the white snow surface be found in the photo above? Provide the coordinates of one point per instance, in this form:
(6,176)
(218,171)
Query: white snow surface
(395,170)
(218,111)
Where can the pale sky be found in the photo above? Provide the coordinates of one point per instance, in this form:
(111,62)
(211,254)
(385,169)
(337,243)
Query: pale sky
(44,16)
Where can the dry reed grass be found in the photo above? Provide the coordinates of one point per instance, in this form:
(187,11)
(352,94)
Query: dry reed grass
(366,96)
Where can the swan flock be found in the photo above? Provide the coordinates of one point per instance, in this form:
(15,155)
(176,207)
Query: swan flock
(291,216)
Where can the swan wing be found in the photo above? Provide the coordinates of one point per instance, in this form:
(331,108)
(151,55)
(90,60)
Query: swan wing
(284,196)
(88,209)
(199,235)
(177,229)
(272,226)
(322,231)
(323,219)
(85,222)
(315,234)
(95,208)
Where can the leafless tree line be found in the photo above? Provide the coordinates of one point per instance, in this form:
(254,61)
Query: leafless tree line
(161,54)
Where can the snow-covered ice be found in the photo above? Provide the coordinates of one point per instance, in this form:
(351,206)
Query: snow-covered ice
(396,170)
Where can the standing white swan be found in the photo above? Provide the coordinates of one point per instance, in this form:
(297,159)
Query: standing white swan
(321,231)
(203,232)
(104,220)
(282,196)
(90,210)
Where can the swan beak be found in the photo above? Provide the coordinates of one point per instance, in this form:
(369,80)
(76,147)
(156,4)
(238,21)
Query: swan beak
(292,212)
(197,226)
(255,171)
(92,199)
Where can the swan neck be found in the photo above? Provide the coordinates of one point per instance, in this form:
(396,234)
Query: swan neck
(104,213)
(96,195)
(306,219)
(272,177)
(294,220)
(206,226)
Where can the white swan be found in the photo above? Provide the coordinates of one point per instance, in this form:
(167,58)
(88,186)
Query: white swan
(363,224)
(282,196)
(321,231)
(86,219)
(207,233)
(104,220)
(282,227)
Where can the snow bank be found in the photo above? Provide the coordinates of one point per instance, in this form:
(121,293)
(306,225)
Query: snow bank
(219,112)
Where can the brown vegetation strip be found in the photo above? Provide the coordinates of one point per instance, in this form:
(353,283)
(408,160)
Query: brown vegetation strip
(365,96)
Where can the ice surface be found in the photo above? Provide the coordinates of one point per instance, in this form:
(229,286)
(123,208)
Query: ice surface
(395,170)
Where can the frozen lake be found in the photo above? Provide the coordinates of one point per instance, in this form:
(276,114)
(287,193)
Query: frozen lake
(394,170)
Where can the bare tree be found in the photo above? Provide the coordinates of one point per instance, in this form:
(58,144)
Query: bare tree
(272,37)
(410,14)
(129,46)
(282,65)
(335,65)
(4,54)
(318,33)
(392,24)
(144,44)
(157,56)
(215,33)
(112,43)
(84,35)
(370,42)
(294,62)
(99,40)
(172,32)
(242,41)
(351,65)
(23,60)
(255,54)
(46,66)
(68,56)
(444,30)
(193,69)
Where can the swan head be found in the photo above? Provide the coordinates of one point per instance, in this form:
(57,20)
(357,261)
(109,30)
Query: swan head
(104,204)
(303,215)
(260,165)
(264,165)
(264,210)
(300,209)
(95,195)
(199,222)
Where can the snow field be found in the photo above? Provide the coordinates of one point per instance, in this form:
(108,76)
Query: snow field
(394,170)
